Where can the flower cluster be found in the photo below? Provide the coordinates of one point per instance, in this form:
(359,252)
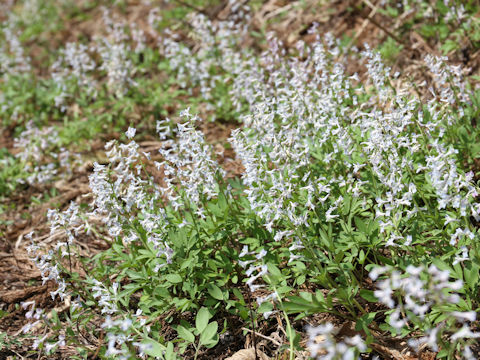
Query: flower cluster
(107,298)
(76,70)
(116,64)
(119,334)
(34,313)
(120,193)
(188,160)
(450,86)
(43,157)
(415,296)
(74,64)
(322,344)
(48,266)
(38,316)
(215,58)
(254,271)
(13,61)
(67,221)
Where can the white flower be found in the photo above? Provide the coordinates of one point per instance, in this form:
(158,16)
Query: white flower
(463,257)
(377,271)
(465,315)
(322,344)
(130,133)
(395,320)
(465,333)
(430,340)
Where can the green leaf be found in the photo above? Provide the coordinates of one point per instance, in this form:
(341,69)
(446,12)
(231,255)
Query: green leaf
(361,257)
(360,224)
(442,353)
(265,307)
(185,334)
(202,318)
(153,348)
(282,290)
(301,279)
(364,321)
(222,202)
(448,46)
(239,296)
(442,265)
(174,278)
(368,295)
(209,333)
(215,292)
(169,354)
(298,304)
(471,274)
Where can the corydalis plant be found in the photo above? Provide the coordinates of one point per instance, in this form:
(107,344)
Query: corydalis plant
(43,158)
(216,56)
(339,173)
(73,68)
(188,160)
(55,263)
(127,197)
(323,346)
(418,297)
(13,60)
(122,195)
(76,72)
(114,51)
(132,207)
(314,155)
(392,149)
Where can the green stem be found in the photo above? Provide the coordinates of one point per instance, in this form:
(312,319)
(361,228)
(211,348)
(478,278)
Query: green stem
(196,350)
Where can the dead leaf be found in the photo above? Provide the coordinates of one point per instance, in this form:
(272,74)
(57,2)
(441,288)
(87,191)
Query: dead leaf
(248,354)
(15,296)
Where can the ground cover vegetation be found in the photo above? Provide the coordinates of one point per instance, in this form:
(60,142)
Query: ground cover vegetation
(239,179)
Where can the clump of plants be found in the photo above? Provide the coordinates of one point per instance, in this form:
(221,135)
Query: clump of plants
(450,23)
(356,200)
